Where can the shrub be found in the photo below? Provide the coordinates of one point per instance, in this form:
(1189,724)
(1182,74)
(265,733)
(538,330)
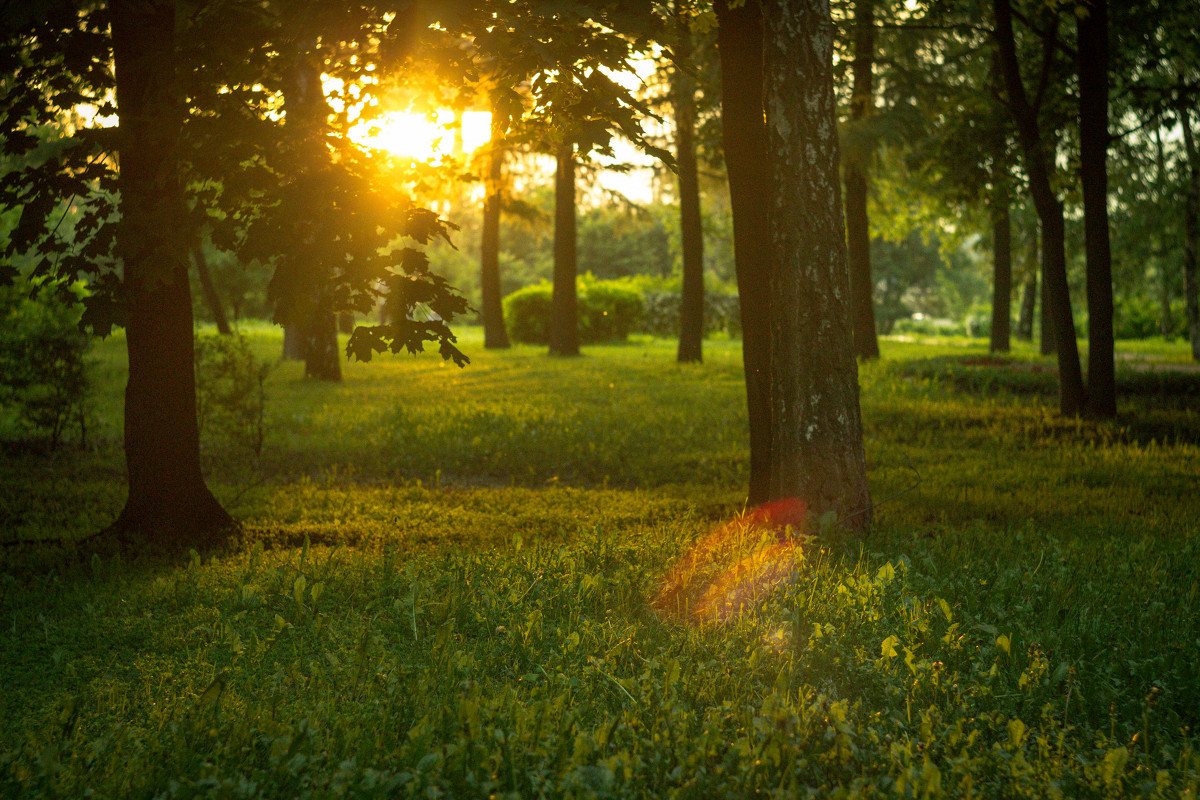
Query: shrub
(43,366)
(608,312)
(230,393)
(722,312)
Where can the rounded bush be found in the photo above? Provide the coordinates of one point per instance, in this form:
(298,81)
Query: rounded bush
(527,314)
(608,312)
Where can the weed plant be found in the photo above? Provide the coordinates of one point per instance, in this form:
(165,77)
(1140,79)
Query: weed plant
(450,585)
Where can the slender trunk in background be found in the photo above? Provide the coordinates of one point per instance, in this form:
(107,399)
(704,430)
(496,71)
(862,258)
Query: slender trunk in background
(857,159)
(1101,400)
(1191,233)
(495,335)
(1029,296)
(209,290)
(1165,324)
(744,133)
(564,306)
(817,454)
(1001,275)
(168,499)
(691,310)
(1045,316)
(1039,166)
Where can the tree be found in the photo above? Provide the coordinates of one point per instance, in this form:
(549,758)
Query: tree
(494,333)
(1039,165)
(691,312)
(564,313)
(167,492)
(1092,45)
(857,158)
(744,133)
(817,445)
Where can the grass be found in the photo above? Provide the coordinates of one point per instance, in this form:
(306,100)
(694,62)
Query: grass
(452,584)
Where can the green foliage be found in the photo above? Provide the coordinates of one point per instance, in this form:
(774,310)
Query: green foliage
(230,391)
(44,384)
(608,312)
(722,313)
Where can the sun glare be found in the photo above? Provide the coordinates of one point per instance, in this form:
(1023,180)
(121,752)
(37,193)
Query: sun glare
(423,136)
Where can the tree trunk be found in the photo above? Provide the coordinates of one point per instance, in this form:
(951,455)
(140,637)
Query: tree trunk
(211,298)
(1001,275)
(1191,233)
(744,133)
(858,233)
(691,312)
(1101,400)
(1165,324)
(168,499)
(322,357)
(1030,295)
(1040,166)
(495,335)
(818,444)
(1045,316)
(564,311)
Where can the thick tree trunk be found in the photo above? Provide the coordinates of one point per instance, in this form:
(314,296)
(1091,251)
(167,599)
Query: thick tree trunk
(744,132)
(564,311)
(209,290)
(1039,166)
(1101,401)
(168,499)
(495,335)
(858,233)
(322,357)
(1001,276)
(1191,233)
(691,312)
(817,428)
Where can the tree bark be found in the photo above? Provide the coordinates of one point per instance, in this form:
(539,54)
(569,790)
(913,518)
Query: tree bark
(1101,400)
(168,499)
(744,134)
(1029,296)
(858,233)
(691,311)
(1001,276)
(818,452)
(209,290)
(1165,324)
(495,335)
(1191,234)
(564,311)
(1040,168)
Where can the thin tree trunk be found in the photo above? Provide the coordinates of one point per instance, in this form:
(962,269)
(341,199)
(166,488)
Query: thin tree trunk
(1191,233)
(858,233)
(1001,275)
(1029,296)
(495,335)
(744,132)
(1045,315)
(1039,166)
(564,313)
(818,452)
(1101,400)
(691,312)
(1165,323)
(211,298)
(168,498)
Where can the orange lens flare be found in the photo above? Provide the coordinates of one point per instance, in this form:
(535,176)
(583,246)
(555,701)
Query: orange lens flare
(736,565)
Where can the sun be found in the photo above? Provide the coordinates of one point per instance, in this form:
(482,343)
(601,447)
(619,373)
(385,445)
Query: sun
(423,137)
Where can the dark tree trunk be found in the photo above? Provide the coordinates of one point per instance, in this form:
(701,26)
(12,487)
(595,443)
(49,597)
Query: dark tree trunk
(744,133)
(168,499)
(1045,317)
(1029,296)
(818,452)
(1001,275)
(495,335)
(1039,166)
(564,311)
(293,343)
(1101,401)
(322,357)
(1165,324)
(211,298)
(1191,234)
(858,233)
(691,312)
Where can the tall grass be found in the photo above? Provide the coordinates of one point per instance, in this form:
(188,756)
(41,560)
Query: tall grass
(450,585)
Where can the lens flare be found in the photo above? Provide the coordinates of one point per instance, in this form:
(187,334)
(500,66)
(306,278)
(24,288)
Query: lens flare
(737,565)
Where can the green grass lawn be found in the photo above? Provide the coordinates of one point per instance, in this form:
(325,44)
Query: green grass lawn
(525,578)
